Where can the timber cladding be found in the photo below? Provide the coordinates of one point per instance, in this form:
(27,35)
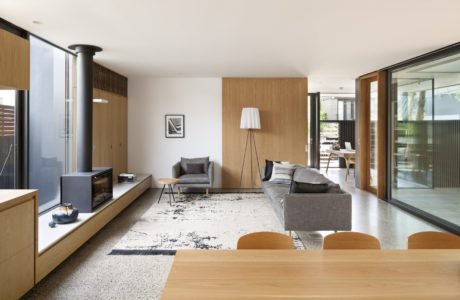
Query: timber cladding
(282,103)
(14,61)
(110,81)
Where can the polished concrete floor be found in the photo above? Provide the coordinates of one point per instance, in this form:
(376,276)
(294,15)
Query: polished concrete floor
(440,202)
(373,216)
(90,273)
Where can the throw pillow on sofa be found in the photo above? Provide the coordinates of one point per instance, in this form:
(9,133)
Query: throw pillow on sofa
(282,173)
(200,160)
(195,169)
(306,187)
(268,169)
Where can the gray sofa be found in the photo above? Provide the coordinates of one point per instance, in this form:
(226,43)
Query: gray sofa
(310,211)
(203,180)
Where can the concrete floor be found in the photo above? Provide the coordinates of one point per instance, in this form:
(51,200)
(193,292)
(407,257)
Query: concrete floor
(440,202)
(90,273)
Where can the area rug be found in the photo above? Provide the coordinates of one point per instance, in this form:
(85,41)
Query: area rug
(199,222)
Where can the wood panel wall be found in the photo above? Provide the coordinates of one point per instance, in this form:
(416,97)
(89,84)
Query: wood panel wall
(282,103)
(110,128)
(14,62)
(110,81)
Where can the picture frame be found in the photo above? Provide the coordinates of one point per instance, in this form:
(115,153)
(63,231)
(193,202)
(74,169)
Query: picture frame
(174,126)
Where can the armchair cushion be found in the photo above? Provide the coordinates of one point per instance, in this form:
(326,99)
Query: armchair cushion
(195,169)
(200,160)
(194,179)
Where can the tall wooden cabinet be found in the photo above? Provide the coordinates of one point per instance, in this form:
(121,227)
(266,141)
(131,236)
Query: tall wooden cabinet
(110,123)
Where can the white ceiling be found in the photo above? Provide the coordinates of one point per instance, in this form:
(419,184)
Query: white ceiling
(330,41)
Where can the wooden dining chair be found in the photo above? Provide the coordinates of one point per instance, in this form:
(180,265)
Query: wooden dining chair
(350,240)
(265,240)
(433,240)
(350,161)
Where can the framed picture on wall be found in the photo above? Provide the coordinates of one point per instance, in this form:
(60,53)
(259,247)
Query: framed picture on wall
(175,126)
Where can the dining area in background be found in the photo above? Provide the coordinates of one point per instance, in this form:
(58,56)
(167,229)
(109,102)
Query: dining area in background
(348,154)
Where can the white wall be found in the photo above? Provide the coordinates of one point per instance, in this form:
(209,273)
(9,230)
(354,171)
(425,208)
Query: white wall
(149,99)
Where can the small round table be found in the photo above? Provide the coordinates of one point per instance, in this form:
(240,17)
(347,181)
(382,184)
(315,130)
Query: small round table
(168,182)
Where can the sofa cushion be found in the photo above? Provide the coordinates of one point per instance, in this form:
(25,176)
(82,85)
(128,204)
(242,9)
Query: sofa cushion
(282,173)
(193,179)
(306,187)
(268,169)
(195,169)
(309,175)
(199,160)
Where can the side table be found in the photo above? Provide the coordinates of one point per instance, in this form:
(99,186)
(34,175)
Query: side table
(169,183)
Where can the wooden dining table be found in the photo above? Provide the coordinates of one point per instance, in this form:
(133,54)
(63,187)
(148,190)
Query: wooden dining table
(346,154)
(314,274)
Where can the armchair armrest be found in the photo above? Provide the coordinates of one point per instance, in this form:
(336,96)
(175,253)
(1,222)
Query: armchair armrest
(211,172)
(176,170)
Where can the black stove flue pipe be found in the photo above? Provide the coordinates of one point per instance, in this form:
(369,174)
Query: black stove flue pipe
(85,55)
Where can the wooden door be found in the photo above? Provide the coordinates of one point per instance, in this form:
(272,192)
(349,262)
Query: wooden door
(372,120)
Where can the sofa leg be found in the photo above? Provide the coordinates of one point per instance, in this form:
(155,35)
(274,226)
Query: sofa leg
(290,233)
(207,192)
(178,191)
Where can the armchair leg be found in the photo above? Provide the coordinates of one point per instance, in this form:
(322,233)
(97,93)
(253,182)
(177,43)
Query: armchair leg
(178,191)
(207,192)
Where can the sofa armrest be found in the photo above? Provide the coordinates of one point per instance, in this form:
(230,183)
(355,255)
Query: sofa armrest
(315,212)
(176,170)
(211,172)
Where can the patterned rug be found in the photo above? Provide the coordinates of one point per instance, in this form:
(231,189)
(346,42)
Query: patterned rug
(199,222)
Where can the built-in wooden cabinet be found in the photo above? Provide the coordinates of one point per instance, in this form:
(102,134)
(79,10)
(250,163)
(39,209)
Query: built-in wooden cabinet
(110,123)
(14,62)
(18,234)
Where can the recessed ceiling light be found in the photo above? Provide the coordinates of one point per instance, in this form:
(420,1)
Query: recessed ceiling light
(36,22)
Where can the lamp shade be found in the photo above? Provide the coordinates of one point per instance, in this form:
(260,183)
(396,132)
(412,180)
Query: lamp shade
(250,118)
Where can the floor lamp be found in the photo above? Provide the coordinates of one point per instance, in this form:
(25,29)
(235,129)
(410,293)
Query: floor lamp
(250,120)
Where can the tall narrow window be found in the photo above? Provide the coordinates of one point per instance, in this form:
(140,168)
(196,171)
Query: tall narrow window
(49,120)
(373,136)
(7,139)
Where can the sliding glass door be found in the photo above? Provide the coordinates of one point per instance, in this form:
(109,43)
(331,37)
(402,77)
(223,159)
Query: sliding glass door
(425,149)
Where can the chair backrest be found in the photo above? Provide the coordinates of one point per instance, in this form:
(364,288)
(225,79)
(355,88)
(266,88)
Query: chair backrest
(265,240)
(433,240)
(350,240)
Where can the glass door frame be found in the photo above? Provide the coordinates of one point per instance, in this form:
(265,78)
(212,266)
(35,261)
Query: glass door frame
(314,137)
(437,54)
(363,121)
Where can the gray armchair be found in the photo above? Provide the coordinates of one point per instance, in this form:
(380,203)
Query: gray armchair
(201,180)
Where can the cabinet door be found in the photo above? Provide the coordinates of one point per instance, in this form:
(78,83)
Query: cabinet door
(119,139)
(124,133)
(116,136)
(17,250)
(102,130)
